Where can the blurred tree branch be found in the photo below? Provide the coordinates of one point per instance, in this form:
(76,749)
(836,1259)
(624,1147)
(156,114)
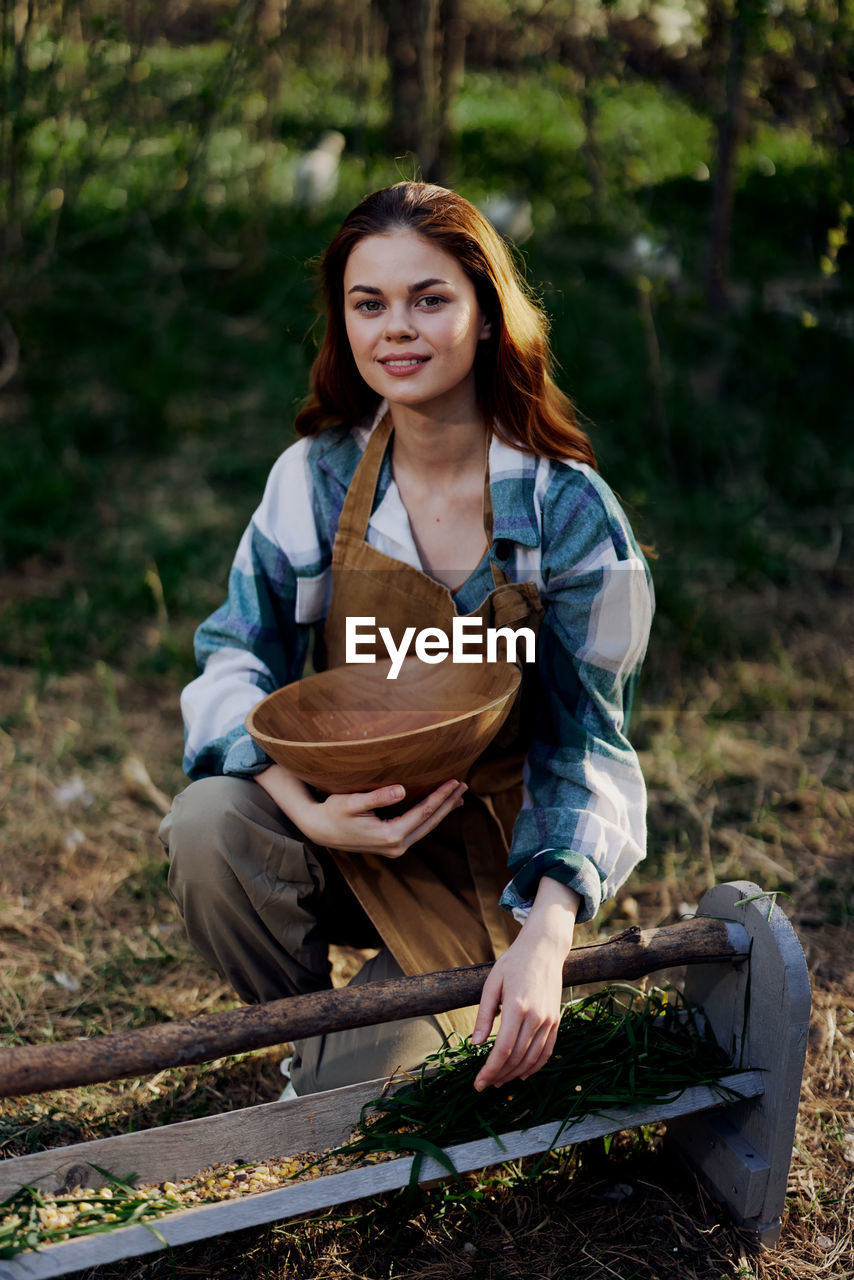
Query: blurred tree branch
(745,32)
(10,352)
(416,62)
(17,24)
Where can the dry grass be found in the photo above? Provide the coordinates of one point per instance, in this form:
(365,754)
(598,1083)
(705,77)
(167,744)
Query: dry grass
(751,773)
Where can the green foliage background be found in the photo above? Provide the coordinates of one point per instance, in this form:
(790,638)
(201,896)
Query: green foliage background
(158,281)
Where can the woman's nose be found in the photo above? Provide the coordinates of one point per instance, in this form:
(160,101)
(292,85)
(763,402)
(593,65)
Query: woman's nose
(399,326)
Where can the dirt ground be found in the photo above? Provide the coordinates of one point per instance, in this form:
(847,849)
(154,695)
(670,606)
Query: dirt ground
(750,768)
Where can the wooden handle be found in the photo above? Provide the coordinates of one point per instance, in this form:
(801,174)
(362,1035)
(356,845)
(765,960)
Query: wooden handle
(36,1068)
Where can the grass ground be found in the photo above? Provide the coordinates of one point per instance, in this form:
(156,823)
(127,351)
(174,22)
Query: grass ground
(163,330)
(750,766)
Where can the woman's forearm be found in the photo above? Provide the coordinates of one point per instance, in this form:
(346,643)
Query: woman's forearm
(553,912)
(526,983)
(290,793)
(354,823)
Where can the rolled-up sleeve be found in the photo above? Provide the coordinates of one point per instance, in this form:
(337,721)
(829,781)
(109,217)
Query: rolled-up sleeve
(254,643)
(583,819)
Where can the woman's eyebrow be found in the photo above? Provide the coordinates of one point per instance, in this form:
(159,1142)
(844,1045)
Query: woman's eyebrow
(413,288)
(426,284)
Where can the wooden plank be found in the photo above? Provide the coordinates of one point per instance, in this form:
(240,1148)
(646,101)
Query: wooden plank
(28,1069)
(728,1160)
(759,1013)
(205,1221)
(173,1151)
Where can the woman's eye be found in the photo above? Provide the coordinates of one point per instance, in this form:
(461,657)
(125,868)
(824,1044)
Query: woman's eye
(431,301)
(368,306)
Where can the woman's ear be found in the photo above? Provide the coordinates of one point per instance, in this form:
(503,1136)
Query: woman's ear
(486,329)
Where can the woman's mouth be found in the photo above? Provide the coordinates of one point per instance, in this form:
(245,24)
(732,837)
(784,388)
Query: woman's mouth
(400,366)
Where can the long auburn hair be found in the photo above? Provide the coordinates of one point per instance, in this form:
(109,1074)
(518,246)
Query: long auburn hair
(512,367)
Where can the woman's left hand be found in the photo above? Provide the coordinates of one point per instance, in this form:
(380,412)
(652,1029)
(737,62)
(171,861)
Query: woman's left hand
(526,984)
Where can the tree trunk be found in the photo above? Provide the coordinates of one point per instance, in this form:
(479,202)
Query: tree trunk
(835,84)
(745,24)
(452,35)
(415,67)
(590,147)
(17,28)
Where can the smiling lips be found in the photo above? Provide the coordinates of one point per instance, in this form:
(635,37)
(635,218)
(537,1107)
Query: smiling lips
(400,366)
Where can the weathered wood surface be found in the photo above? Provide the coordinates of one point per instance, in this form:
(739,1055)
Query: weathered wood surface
(173,1151)
(759,1013)
(36,1068)
(206,1221)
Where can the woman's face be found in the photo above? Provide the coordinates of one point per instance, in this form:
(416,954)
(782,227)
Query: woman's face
(413,322)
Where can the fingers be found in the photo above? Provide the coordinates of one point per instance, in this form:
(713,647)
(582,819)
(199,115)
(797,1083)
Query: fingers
(403,831)
(490,1002)
(518,1051)
(352,822)
(367,801)
(531,1064)
(430,812)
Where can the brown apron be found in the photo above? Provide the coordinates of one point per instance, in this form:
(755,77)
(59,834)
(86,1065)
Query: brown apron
(436,907)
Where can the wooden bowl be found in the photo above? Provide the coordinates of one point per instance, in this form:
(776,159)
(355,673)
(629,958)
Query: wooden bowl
(352,729)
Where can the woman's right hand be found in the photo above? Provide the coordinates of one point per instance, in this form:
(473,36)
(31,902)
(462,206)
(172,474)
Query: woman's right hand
(351,822)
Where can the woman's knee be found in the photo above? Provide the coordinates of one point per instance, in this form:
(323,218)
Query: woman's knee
(198,831)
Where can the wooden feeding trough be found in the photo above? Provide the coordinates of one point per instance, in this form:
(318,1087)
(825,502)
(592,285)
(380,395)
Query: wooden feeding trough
(745,967)
(354,729)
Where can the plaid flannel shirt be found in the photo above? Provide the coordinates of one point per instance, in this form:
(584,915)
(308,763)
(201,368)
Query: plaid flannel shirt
(583,818)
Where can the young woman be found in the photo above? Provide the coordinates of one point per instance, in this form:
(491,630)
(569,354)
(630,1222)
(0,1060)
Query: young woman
(440,473)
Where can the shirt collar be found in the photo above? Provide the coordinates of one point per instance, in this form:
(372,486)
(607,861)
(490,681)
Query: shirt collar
(390,520)
(512,480)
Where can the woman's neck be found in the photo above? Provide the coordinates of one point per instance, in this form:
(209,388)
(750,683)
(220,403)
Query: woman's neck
(435,448)
(439,469)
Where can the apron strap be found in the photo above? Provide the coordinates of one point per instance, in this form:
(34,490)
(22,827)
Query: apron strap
(359,502)
(499,577)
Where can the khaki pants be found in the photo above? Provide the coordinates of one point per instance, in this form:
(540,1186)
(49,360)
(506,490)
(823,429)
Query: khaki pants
(262,905)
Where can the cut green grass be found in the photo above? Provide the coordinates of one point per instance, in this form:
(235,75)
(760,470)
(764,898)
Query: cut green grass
(619,1048)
